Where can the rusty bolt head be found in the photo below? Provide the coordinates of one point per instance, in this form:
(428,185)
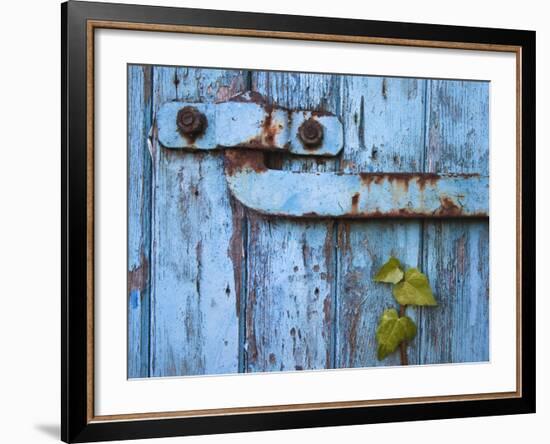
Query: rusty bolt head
(311,133)
(191,121)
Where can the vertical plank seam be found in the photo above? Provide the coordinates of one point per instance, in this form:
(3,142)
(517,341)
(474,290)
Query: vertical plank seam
(129,353)
(248,83)
(336,256)
(149,216)
(152,317)
(243,297)
(335,287)
(422,253)
(152,226)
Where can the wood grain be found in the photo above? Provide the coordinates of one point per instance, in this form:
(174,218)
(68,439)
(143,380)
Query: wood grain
(290,304)
(384,131)
(456,253)
(140,89)
(194,300)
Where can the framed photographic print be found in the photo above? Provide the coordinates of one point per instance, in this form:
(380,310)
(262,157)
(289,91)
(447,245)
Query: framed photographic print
(276,221)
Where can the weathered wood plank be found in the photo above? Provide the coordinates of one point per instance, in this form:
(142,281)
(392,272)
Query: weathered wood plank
(384,132)
(456,253)
(289,315)
(290,303)
(139,218)
(196,244)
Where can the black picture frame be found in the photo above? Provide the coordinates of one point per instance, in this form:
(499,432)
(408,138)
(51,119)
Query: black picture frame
(76,423)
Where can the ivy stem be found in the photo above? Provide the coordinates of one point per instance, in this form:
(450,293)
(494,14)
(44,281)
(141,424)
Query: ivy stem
(403,345)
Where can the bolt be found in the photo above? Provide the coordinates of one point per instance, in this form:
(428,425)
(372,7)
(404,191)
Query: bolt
(311,133)
(191,121)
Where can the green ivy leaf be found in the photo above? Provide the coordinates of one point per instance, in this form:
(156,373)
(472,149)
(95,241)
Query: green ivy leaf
(392,330)
(414,289)
(390,272)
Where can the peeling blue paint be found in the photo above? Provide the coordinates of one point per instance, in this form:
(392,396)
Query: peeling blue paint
(297,194)
(231,290)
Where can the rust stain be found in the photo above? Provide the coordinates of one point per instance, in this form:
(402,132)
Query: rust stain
(448,208)
(274,160)
(344,236)
(400,179)
(223,94)
(147,83)
(266,139)
(139,276)
(190,139)
(427,179)
(355,203)
(252,348)
(235,250)
(405,213)
(254,228)
(327,311)
(398,213)
(321,113)
(311,214)
(328,249)
(237,160)
(270,129)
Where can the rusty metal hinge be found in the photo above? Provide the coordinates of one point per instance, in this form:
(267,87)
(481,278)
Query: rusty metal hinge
(247,121)
(246,126)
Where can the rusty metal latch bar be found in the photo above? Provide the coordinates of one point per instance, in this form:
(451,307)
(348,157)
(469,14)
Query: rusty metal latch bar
(246,126)
(363,195)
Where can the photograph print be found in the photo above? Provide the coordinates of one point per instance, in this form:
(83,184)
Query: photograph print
(292,221)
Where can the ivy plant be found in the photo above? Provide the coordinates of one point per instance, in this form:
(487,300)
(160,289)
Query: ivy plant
(410,287)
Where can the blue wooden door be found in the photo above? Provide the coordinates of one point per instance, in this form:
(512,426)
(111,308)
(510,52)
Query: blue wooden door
(217,288)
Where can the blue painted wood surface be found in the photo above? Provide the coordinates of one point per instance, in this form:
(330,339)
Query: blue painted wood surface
(291,278)
(384,121)
(230,290)
(456,253)
(194,283)
(139,218)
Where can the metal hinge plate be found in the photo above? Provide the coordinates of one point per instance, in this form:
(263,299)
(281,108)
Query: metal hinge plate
(247,121)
